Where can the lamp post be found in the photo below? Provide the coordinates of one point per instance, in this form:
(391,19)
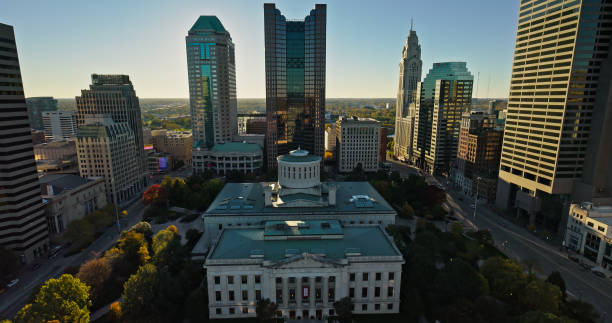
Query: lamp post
(476,198)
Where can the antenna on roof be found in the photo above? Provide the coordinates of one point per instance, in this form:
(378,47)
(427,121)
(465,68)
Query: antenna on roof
(411,24)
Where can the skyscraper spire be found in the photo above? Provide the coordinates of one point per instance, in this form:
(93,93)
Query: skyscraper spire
(411,23)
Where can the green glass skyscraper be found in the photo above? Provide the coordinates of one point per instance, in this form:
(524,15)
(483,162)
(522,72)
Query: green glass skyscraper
(295,82)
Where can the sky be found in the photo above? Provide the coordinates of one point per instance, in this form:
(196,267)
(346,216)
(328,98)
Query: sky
(61,43)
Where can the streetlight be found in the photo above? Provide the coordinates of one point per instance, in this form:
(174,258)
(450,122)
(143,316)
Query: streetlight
(476,198)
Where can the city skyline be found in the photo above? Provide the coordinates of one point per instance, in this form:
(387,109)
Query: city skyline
(59,58)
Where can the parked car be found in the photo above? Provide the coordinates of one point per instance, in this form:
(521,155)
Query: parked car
(13,283)
(599,271)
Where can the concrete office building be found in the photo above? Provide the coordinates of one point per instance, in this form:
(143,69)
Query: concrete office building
(330,138)
(244,118)
(70,197)
(114,96)
(478,153)
(56,150)
(295,82)
(107,149)
(23,226)
(256,126)
(38,105)
(357,144)
(409,75)
(178,144)
(298,195)
(59,125)
(211,68)
(38,136)
(558,129)
(230,156)
(589,232)
(441,98)
(303,267)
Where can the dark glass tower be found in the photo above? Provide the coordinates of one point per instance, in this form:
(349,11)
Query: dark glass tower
(295,82)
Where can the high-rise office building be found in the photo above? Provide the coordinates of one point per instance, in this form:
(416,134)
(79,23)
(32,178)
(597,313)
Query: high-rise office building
(409,75)
(440,99)
(23,225)
(558,129)
(295,82)
(358,144)
(38,105)
(59,125)
(107,149)
(212,83)
(114,96)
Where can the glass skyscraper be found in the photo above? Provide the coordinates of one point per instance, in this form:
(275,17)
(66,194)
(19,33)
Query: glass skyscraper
(295,82)
(443,95)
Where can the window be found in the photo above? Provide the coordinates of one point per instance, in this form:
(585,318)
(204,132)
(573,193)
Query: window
(230,280)
(377,292)
(378,276)
(279,280)
(291,280)
(389,291)
(318,279)
(377,307)
(232,310)
(352,277)
(218,311)
(258,279)
(331,294)
(304,279)
(231,295)
(217,280)
(389,306)
(218,296)
(351,292)
(245,295)
(332,279)
(364,307)
(245,310)
(331,312)
(391,276)
(244,279)
(292,294)
(258,295)
(365,277)
(364,292)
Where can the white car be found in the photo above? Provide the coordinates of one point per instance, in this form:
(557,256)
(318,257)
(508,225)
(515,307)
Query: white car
(12,283)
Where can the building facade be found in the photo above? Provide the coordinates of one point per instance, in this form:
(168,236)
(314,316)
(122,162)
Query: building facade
(382,145)
(243,119)
(70,197)
(114,96)
(589,233)
(38,105)
(178,144)
(557,125)
(23,226)
(410,69)
(107,149)
(56,150)
(357,144)
(256,126)
(478,153)
(330,138)
(295,82)
(212,83)
(59,125)
(303,267)
(441,98)
(231,156)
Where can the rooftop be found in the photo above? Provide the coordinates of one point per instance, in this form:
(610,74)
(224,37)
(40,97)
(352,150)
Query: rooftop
(248,199)
(208,23)
(251,243)
(298,156)
(241,147)
(302,229)
(62,182)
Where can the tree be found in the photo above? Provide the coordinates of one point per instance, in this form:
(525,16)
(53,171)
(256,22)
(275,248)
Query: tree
(114,311)
(407,211)
(458,279)
(542,296)
(506,278)
(344,310)
(95,274)
(144,228)
(328,155)
(65,299)
(155,195)
(80,232)
(543,317)
(134,246)
(166,248)
(266,310)
(100,220)
(140,291)
(556,279)
(457,228)
(8,266)
(197,305)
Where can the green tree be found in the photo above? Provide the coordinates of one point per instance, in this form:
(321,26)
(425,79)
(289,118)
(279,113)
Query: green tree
(344,310)
(134,246)
(266,310)
(166,248)
(457,228)
(65,299)
(80,233)
(407,211)
(144,228)
(543,317)
(197,305)
(556,279)
(506,278)
(542,296)
(458,279)
(139,292)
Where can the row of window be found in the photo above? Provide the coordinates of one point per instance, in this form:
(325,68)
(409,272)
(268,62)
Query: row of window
(364,292)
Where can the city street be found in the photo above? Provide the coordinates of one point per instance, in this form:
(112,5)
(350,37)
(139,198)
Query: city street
(523,246)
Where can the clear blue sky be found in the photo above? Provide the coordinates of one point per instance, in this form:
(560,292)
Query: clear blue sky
(61,43)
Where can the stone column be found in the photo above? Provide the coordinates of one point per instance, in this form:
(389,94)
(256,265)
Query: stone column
(312,292)
(325,290)
(285,292)
(298,291)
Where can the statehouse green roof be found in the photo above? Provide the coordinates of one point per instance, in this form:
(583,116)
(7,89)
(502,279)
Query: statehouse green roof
(302,228)
(242,147)
(299,159)
(208,23)
(242,243)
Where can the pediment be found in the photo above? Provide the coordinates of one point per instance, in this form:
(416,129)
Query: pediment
(306,260)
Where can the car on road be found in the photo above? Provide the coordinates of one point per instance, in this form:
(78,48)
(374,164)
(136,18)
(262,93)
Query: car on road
(599,271)
(13,283)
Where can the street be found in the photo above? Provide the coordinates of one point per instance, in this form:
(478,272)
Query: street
(523,246)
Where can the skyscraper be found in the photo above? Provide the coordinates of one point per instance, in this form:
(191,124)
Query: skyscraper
(23,225)
(409,75)
(59,125)
(114,96)
(443,95)
(38,105)
(558,129)
(212,83)
(295,82)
